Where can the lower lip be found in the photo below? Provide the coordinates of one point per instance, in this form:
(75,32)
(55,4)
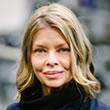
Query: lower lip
(54,76)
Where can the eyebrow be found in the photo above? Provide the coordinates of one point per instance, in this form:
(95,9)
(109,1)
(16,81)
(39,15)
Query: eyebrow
(61,45)
(38,45)
(57,46)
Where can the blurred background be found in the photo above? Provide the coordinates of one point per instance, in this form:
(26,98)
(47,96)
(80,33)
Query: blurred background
(93,14)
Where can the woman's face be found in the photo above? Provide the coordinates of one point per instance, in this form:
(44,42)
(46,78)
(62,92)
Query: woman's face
(50,58)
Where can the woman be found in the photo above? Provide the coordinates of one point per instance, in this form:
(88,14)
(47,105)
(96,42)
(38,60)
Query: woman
(55,71)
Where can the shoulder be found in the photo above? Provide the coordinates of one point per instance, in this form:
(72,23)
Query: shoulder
(14,106)
(95,104)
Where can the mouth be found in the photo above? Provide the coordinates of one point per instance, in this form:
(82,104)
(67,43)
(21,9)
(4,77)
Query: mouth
(53,74)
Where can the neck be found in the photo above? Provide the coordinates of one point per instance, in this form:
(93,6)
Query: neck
(46,90)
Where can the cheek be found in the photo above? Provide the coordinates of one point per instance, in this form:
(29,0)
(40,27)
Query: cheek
(65,62)
(36,64)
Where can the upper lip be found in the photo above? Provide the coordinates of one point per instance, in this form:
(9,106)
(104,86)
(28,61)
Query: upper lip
(52,72)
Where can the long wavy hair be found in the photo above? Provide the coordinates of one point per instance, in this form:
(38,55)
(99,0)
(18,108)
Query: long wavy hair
(63,20)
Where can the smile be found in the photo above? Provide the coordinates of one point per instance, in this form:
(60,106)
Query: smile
(53,74)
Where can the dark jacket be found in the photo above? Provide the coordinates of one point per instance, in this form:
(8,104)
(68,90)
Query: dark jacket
(70,97)
(94,105)
(67,98)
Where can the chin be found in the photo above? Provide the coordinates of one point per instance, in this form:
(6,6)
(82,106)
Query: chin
(55,84)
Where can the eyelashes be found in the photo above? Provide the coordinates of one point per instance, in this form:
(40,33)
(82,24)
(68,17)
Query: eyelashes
(39,50)
(42,50)
(64,50)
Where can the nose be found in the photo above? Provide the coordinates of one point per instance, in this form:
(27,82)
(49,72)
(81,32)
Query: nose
(52,59)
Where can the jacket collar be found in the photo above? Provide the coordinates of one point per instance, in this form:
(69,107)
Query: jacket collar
(31,98)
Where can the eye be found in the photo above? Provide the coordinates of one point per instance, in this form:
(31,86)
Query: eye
(64,50)
(39,50)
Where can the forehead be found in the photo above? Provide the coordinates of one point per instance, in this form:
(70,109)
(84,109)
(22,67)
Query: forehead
(48,35)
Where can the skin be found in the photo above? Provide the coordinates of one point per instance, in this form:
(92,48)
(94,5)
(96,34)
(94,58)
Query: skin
(50,59)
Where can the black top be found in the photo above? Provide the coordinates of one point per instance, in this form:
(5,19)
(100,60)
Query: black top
(70,97)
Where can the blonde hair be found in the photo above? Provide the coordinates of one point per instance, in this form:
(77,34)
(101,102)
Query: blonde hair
(61,18)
